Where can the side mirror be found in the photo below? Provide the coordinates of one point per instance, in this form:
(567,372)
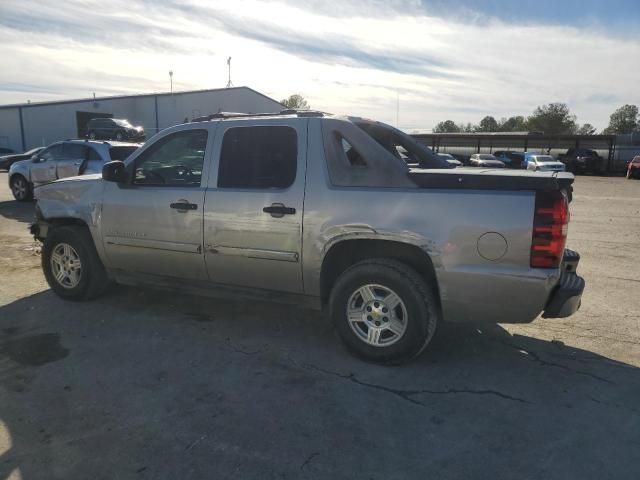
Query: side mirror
(114,171)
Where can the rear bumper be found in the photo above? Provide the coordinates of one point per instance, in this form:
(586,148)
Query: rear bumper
(566,298)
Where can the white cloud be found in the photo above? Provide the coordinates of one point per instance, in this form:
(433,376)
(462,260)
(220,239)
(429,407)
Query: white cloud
(357,60)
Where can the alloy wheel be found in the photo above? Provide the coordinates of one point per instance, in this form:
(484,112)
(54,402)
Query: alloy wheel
(377,315)
(66,265)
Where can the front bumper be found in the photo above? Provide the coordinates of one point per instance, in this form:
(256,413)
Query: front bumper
(39,230)
(566,298)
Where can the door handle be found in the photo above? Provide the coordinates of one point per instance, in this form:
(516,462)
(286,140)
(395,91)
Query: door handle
(278,210)
(183,206)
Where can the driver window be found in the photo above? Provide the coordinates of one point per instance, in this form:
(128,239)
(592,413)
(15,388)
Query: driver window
(175,160)
(52,153)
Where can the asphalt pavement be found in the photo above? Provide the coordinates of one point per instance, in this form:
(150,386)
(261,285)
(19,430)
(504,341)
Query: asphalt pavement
(142,384)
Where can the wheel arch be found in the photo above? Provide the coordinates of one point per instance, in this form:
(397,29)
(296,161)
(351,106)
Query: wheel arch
(345,253)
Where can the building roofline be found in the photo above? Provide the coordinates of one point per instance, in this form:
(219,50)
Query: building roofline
(139,95)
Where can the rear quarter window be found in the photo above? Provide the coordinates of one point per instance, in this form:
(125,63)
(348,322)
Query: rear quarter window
(121,153)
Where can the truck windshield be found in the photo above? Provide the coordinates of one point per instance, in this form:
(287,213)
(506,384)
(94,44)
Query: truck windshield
(402,146)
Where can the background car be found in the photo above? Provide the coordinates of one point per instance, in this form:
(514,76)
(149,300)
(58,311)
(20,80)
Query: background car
(8,160)
(485,160)
(633,168)
(113,129)
(64,159)
(451,160)
(544,163)
(511,159)
(582,160)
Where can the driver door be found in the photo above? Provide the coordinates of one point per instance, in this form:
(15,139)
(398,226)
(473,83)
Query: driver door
(44,170)
(74,155)
(153,225)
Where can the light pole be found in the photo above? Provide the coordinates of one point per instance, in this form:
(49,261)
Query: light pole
(229,84)
(171,81)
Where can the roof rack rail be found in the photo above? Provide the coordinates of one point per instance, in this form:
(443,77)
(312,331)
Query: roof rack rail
(225,115)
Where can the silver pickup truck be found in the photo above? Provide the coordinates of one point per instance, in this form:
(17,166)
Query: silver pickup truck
(345,214)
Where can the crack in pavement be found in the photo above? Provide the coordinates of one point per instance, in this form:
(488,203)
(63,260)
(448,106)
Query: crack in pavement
(536,358)
(408,395)
(308,460)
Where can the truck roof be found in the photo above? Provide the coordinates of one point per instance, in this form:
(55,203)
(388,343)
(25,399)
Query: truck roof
(283,113)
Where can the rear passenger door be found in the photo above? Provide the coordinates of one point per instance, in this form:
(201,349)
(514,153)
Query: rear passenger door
(254,203)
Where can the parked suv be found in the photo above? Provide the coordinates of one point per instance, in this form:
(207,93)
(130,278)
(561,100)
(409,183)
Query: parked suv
(64,159)
(113,129)
(321,211)
(582,160)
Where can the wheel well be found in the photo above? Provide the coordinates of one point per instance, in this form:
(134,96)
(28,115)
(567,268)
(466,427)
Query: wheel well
(17,175)
(65,221)
(349,252)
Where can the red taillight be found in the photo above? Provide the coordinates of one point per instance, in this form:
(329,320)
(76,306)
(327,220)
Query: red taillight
(550,224)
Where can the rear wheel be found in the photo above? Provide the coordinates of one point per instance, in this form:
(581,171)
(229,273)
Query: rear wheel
(21,188)
(71,264)
(384,311)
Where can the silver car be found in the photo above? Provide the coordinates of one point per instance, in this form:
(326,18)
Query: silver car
(450,159)
(544,163)
(61,160)
(485,160)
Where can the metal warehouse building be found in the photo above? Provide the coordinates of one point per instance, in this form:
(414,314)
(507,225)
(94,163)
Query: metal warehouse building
(27,125)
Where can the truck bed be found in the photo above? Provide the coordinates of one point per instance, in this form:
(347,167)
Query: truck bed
(472,178)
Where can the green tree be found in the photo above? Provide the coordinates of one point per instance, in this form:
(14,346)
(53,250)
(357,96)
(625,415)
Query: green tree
(448,126)
(467,127)
(296,102)
(623,120)
(587,129)
(487,124)
(553,119)
(513,124)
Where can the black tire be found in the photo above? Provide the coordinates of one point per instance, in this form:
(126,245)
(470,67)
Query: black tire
(93,279)
(21,188)
(418,298)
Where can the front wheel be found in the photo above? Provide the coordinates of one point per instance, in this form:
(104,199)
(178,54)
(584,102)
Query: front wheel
(384,311)
(21,189)
(71,264)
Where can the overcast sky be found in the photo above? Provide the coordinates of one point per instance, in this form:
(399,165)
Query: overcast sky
(496,57)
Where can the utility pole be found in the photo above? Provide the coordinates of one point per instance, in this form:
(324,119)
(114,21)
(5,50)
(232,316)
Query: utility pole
(229,84)
(171,81)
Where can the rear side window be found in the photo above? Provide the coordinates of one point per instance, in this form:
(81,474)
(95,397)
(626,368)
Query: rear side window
(258,157)
(353,157)
(94,155)
(73,150)
(121,153)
